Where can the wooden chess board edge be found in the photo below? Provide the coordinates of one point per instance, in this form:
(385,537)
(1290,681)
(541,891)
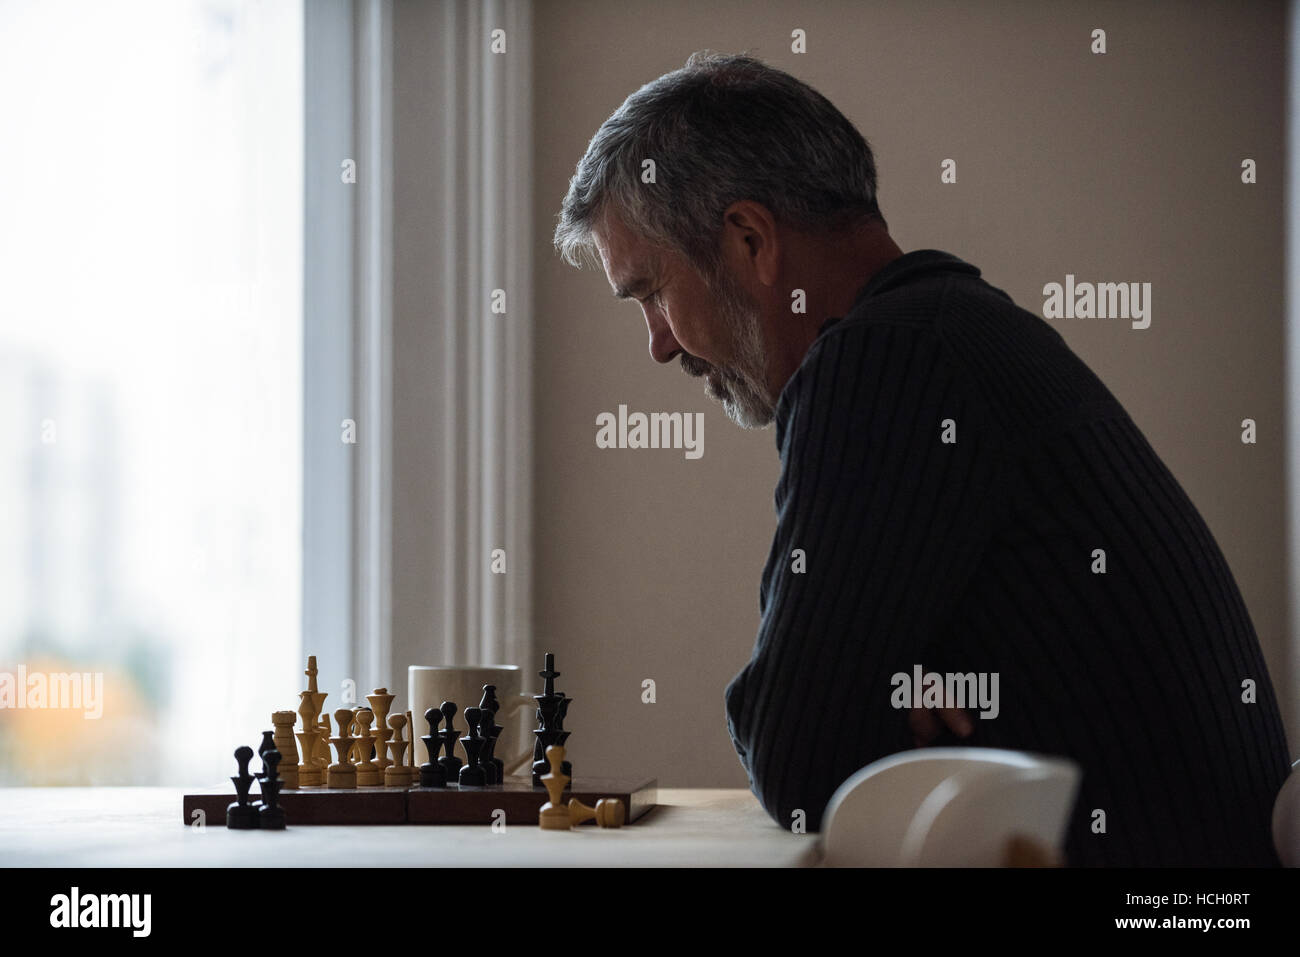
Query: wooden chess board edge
(379,805)
(312,806)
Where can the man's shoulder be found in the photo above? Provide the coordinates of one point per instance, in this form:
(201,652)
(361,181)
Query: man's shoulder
(1008,359)
(924,299)
(855,361)
(908,313)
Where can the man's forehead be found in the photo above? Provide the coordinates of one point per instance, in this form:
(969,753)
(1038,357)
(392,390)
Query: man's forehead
(630,263)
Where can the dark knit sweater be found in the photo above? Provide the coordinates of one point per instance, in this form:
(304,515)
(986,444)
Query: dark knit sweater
(978,556)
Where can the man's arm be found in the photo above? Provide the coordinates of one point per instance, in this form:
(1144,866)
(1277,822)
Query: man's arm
(890,482)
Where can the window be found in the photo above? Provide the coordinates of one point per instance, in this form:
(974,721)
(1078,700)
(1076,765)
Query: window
(151,182)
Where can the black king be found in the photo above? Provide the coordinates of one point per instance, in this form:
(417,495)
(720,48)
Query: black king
(551,709)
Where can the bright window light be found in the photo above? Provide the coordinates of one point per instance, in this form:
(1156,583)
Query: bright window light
(150,381)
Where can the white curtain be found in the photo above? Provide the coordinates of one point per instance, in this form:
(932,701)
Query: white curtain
(448,498)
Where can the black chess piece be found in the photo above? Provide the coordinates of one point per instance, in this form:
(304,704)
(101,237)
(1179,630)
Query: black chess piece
(494,766)
(471,775)
(566,767)
(487,733)
(432,774)
(240,815)
(267,773)
(270,816)
(551,709)
(548,674)
(489,730)
(449,761)
(546,708)
(268,744)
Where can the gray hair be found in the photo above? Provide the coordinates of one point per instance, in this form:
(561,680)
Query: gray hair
(720,129)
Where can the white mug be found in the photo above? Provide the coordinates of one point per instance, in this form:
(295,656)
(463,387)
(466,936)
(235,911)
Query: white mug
(428,686)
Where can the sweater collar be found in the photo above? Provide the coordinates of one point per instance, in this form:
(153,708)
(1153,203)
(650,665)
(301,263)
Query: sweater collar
(904,269)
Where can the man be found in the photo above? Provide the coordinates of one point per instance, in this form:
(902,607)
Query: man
(959,493)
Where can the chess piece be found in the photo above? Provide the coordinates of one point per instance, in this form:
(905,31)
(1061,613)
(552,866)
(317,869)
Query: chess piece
(311,673)
(450,763)
(308,773)
(608,812)
(432,774)
(268,744)
(471,775)
(311,770)
(342,774)
(562,709)
(412,772)
(493,767)
(551,709)
(323,752)
(240,815)
(283,722)
(368,773)
(554,816)
(270,816)
(354,731)
(380,701)
(395,773)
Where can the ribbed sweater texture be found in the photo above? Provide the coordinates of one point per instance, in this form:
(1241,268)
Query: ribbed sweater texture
(979,554)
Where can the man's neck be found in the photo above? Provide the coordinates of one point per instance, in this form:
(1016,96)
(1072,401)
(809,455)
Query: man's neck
(831,271)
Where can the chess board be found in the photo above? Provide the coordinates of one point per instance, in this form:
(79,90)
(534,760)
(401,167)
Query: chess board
(518,798)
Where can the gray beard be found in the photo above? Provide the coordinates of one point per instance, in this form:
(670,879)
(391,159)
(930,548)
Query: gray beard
(741,385)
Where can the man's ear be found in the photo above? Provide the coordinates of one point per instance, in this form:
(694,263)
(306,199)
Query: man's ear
(751,242)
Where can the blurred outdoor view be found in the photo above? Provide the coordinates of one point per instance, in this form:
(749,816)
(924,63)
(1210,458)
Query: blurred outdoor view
(150,381)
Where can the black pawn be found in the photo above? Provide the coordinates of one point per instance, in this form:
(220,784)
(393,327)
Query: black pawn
(271,816)
(268,773)
(432,774)
(450,763)
(241,815)
(268,744)
(471,775)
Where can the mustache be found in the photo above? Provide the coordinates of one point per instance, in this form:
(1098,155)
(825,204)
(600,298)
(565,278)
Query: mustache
(694,366)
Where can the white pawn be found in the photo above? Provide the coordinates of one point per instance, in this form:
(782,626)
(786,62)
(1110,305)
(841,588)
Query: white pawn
(342,774)
(395,774)
(554,816)
(369,774)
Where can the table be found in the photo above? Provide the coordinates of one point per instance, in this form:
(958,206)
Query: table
(142,827)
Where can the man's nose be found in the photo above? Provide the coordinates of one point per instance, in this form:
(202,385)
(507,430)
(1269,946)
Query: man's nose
(663,345)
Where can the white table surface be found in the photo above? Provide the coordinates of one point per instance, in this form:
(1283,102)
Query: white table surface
(143,827)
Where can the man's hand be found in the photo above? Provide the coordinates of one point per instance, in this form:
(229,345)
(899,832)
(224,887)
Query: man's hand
(925,726)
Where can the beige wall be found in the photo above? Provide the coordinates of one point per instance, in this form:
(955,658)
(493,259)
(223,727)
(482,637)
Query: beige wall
(1115,167)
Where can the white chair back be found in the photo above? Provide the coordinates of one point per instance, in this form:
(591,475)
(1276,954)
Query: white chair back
(1286,819)
(947,807)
